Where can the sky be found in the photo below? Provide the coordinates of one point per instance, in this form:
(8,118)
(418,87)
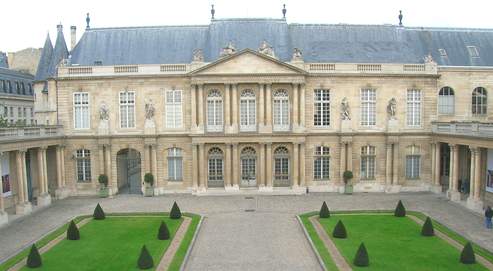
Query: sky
(26,23)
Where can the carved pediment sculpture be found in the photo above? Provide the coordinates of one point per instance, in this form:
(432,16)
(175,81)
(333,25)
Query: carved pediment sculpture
(198,55)
(149,110)
(228,50)
(345,110)
(297,55)
(392,108)
(104,112)
(266,49)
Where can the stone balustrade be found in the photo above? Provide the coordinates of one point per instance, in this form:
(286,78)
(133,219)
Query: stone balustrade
(30,132)
(475,129)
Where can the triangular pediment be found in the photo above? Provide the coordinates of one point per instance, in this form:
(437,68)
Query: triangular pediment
(247,62)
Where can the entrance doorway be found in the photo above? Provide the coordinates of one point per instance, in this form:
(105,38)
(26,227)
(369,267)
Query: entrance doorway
(248,167)
(129,171)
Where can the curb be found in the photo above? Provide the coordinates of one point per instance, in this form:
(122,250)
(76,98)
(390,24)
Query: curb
(192,244)
(319,258)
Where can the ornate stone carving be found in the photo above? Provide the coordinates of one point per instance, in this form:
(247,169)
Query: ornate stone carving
(345,110)
(149,109)
(104,112)
(198,55)
(297,55)
(392,108)
(429,59)
(228,50)
(266,49)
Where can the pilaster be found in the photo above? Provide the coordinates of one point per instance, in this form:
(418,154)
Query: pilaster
(296,164)
(200,110)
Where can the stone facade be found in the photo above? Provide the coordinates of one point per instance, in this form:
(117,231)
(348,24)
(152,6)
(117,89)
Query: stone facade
(25,60)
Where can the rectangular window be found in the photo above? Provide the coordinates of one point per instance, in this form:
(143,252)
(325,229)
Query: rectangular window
(412,166)
(281,112)
(173,109)
(321,114)
(413,107)
(83,159)
(321,166)
(174,165)
(127,109)
(367,163)
(247,112)
(368,107)
(81,110)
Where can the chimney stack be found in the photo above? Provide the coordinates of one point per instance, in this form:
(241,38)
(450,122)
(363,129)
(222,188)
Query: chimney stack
(73,37)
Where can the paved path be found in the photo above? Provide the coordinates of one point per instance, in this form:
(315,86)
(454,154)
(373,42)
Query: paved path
(268,238)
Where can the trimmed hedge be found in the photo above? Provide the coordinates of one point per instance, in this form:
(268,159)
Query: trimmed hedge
(34,258)
(400,211)
(175,212)
(145,259)
(361,259)
(163,233)
(467,255)
(427,229)
(340,231)
(99,213)
(324,211)
(73,231)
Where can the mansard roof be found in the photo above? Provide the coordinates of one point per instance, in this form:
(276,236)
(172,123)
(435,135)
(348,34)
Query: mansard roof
(332,43)
(45,59)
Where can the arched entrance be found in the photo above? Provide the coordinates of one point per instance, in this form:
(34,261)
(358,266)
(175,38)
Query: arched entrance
(215,165)
(248,167)
(128,171)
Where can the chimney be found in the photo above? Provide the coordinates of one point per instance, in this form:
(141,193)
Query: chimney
(73,37)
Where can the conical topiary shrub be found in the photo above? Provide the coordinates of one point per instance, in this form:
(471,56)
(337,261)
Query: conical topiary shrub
(145,259)
(339,231)
(73,231)
(427,229)
(34,259)
(175,212)
(324,211)
(99,213)
(400,211)
(467,255)
(163,233)
(361,258)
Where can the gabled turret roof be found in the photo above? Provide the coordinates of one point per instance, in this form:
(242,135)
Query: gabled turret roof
(60,52)
(45,59)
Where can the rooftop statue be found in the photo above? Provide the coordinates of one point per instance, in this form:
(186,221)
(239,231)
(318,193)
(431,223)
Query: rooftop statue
(429,59)
(297,55)
(266,49)
(198,55)
(228,50)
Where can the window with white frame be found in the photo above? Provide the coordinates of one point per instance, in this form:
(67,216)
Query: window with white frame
(367,162)
(215,162)
(479,101)
(175,166)
(281,110)
(247,111)
(173,109)
(83,164)
(214,111)
(281,166)
(127,109)
(413,159)
(321,114)
(321,166)
(81,110)
(413,107)
(446,101)
(368,107)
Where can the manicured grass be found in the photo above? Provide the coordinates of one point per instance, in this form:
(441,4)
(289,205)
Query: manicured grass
(394,244)
(185,243)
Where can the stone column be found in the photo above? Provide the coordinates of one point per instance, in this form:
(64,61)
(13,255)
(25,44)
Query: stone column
(112,182)
(236,167)
(268,108)
(261,163)
(20,177)
(268,166)
(261,107)
(59,167)
(234,89)
(193,107)
(302,106)
(295,107)
(477,177)
(154,165)
(395,163)
(228,166)
(101,158)
(44,198)
(200,110)
(453,192)
(388,165)
(302,165)
(23,206)
(147,158)
(296,163)
(64,179)
(41,169)
(349,154)
(203,167)
(473,201)
(195,166)
(343,163)
(437,166)
(472,177)
(432,156)
(227,107)
(4,218)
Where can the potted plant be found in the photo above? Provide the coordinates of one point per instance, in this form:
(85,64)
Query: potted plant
(149,182)
(348,186)
(103,188)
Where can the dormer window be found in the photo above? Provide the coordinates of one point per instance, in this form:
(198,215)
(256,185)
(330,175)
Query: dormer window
(442,52)
(473,51)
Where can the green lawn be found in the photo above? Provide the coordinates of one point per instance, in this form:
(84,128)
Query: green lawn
(394,244)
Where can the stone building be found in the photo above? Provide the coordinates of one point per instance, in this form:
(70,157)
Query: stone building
(16,98)
(25,60)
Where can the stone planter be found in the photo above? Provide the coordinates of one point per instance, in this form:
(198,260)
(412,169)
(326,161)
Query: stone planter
(149,191)
(348,189)
(104,192)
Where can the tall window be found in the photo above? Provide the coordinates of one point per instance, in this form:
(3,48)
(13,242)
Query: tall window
(368,107)
(83,163)
(214,111)
(321,167)
(281,166)
(446,101)
(413,159)
(127,109)
(247,111)
(413,107)
(479,101)
(367,162)
(321,114)
(215,168)
(81,110)
(281,110)
(173,109)
(248,166)
(175,165)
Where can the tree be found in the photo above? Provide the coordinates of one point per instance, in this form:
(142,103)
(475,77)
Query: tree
(340,231)
(163,233)
(175,212)
(73,231)
(400,211)
(99,213)
(467,255)
(324,211)
(145,259)
(427,229)
(361,258)
(34,259)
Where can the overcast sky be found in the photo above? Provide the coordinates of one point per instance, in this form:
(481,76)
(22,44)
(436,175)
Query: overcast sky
(25,23)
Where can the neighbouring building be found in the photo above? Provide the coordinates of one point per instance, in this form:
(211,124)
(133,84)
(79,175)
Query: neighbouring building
(25,60)
(16,98)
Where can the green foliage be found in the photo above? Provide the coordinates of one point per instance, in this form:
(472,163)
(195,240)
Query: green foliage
(324,211)
(163,233)
(427,229)
(339,231)
(175,212)
(99,213)
(145,259)
(361,259)
(34,259)
(347,176)
(103,180)
(73,231)
(400,211)
(149,179)
(467,255)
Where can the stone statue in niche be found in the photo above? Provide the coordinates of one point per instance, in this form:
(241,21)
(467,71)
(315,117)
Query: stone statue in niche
(266,49)
(297,55)
(228,50)
(392,108)
(149,110)
(198,55)
(345,110)
(104,112)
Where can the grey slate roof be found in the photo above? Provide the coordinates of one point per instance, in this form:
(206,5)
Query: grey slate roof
(318,43)
(12,76)
(60,52)
(45,59)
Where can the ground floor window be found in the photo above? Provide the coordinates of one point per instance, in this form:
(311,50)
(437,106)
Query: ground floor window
(248,164)
(83,161)
(321,163)
(368,163)
(412,166)
(281,166)
(215,166)
(174,165)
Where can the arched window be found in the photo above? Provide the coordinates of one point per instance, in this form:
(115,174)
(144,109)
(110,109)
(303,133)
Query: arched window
(247,111)
(214,111)
(479,101)
(248,166)
(281,110)
(215,168)
(446,101)
(321,166)
(175,160)
(368,162)
(281,166)
(83,165)
(413,159)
